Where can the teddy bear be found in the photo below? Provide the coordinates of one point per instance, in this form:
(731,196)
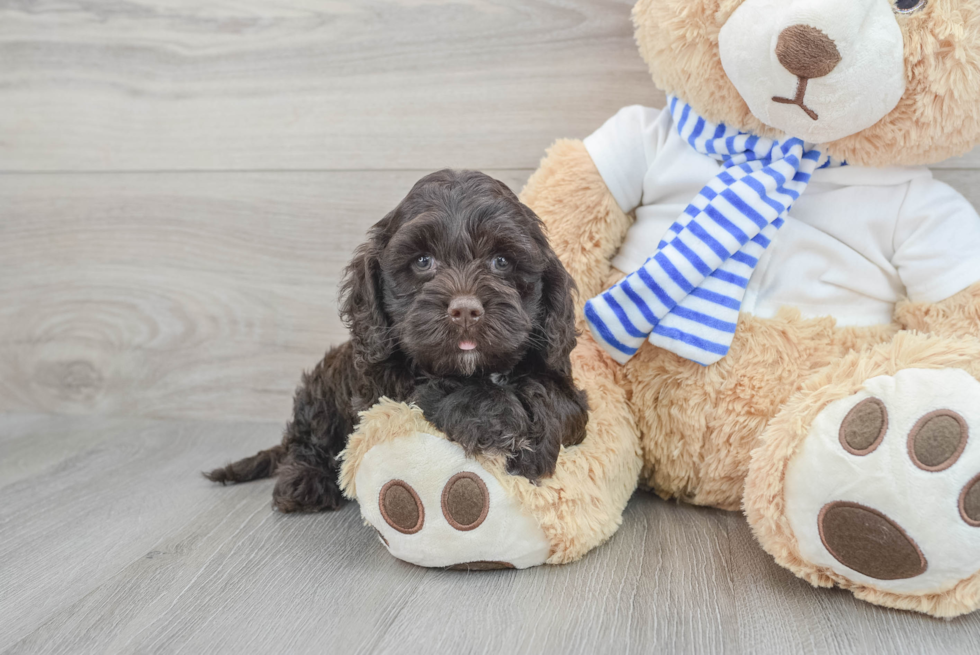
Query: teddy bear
(779,310)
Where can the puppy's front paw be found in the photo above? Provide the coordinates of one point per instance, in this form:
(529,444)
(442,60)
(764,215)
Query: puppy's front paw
(532,464)
(497,423)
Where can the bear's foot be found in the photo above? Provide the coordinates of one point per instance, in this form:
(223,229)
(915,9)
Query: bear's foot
(873,484)
(434,507)
(885,489)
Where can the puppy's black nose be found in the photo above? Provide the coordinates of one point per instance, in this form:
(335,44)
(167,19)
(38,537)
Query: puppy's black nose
(465,310)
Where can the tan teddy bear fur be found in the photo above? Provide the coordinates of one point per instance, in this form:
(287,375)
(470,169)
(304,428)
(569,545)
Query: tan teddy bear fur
(936,118)
(703,428)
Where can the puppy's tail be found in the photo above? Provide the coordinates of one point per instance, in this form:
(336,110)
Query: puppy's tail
(261,465)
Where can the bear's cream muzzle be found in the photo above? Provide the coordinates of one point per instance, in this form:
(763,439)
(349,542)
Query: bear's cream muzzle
(819,70)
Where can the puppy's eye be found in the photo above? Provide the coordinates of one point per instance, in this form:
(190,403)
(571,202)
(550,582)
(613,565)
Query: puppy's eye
(423,263)
(909,6)
(500,264)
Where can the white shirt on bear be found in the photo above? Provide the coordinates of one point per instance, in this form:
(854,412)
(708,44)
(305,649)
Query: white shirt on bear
(856,242)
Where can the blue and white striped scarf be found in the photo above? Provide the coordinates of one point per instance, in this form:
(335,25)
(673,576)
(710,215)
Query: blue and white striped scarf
(686,297)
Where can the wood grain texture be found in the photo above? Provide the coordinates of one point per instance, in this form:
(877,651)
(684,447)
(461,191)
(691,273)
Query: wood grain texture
(120,546)
(307,84)
(177,294)
(78,518)
(185,294)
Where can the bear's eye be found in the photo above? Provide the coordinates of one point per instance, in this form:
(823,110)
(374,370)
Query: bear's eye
(908,6)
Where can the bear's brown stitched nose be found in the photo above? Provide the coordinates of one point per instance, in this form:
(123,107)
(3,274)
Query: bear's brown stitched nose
(465,310)
(807,52)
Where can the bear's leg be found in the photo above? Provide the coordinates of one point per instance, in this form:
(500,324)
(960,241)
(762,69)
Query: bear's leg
(957,316)
(869,477)
(700,424)
(434,506)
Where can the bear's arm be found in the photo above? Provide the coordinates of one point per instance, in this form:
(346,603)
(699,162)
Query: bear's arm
(937,256)
(957,316)
(584,222)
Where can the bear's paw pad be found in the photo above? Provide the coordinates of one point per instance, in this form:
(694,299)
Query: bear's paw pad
(435,507)
(885,489)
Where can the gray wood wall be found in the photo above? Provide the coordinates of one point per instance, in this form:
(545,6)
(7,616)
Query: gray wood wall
(182,182)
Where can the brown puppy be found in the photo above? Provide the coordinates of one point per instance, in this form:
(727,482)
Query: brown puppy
(457,303)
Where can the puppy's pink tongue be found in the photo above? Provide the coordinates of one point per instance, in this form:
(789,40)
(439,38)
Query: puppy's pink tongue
(467,345)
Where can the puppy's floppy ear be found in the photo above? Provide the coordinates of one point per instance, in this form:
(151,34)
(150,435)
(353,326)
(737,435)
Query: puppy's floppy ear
(557,330)
(361,306)
(555,334)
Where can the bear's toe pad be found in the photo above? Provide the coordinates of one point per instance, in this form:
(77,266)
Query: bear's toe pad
(885,489)
(435,507)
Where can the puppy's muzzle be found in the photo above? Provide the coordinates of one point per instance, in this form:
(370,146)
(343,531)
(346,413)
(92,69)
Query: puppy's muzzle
(465,311)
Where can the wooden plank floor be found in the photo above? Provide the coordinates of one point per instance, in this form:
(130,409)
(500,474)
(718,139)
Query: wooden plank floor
(112,542)
(181,184)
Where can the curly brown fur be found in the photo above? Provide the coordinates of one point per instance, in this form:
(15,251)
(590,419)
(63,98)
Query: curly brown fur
(496,378)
